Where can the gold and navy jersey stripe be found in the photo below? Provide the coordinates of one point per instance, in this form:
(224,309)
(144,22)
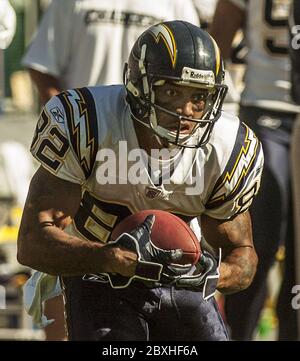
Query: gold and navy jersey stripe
(241,165)
(83,125)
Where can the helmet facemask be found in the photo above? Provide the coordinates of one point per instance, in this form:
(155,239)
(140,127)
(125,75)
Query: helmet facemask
(201,126)
(146,110)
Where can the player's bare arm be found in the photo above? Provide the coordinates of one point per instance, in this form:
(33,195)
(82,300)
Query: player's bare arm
(239,260)
(42,243)
(230,17)
(47,85)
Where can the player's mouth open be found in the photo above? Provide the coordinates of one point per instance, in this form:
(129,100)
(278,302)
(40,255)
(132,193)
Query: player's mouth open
(184,128)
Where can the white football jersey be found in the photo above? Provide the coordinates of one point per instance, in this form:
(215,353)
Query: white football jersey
(206,9)
(88,41)
(267,75)
(87,136)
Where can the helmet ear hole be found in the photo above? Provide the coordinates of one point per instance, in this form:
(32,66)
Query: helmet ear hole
(136,93)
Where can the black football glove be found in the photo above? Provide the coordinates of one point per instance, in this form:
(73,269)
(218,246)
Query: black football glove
(151,259)
(205,277)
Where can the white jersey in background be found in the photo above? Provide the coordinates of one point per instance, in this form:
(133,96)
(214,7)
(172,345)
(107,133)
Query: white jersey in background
(16,170)
(267,76)
(206,9)
(88,41)
(87,136)
(7,23)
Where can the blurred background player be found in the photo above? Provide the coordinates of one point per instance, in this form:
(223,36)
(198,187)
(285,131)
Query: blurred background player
(206,10)
(7,32)
(84,42)
(265,106)
(63,56)
(294,24)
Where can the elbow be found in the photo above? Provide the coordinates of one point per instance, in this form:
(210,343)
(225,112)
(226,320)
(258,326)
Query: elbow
(244,284)
(239,271)
(23,259)
(31,254)
(24,252)
(249,272)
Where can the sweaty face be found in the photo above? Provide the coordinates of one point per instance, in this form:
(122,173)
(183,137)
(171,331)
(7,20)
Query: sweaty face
(182,100)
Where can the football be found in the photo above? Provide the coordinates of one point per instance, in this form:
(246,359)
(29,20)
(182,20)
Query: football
(168,232)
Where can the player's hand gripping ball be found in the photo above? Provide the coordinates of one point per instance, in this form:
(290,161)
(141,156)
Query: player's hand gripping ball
(171,243)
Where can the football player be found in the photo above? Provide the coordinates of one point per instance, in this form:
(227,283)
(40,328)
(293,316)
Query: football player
(160,141)
(62,57)
(266,106)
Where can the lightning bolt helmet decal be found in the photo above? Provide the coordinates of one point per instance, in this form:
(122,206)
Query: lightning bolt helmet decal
(162,32)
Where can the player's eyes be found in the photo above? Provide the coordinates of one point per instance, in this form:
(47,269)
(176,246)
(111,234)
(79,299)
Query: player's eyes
(171,92)
(199,97)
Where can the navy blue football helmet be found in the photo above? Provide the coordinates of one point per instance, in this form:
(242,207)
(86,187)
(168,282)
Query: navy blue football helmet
(183,54)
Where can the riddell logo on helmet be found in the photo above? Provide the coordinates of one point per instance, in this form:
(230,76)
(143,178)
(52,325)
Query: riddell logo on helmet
(196,75)
(201,76)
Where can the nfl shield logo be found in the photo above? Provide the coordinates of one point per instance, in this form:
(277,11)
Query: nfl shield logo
(152,192)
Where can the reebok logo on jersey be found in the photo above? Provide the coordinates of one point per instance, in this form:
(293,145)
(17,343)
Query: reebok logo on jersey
(57,114)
